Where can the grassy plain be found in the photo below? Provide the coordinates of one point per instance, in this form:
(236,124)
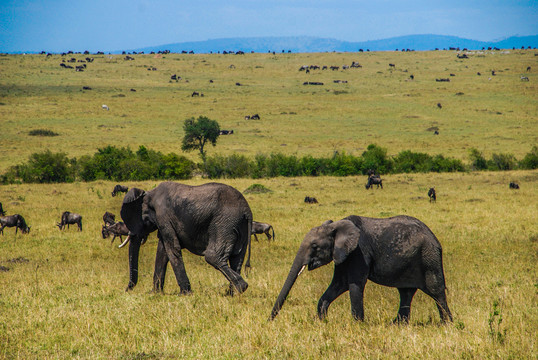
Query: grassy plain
(68,299)
(378,104)
(63,297)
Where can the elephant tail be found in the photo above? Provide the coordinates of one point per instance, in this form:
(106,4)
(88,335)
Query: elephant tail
(249,230)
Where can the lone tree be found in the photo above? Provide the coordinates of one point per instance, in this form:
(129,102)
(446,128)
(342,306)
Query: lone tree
(198,132)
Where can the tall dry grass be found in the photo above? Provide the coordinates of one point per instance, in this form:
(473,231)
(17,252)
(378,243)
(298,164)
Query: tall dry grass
(63,295)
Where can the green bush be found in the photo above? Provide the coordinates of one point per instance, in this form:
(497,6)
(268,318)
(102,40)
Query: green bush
(42,132)
(478,161)
(530,161)
(502,162)
(375,158)
(45,167)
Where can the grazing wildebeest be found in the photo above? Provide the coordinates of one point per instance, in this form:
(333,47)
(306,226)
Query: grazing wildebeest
(524,78)
(109,218)
(436,132)
(226,132)
(119,188)
(310,200)
(262,228)
(116,229)
(255,117)
(374,180)
(439,105)
(69,218)
(195,93)
(2,212)
(431,195)
(514,185)
(16,221)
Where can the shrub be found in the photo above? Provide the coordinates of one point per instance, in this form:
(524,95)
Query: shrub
(177,167)
(502,162)
(530,161)
(42,132)
(478,161)
(375,157)
(342,164)
(257,189)
(45,167)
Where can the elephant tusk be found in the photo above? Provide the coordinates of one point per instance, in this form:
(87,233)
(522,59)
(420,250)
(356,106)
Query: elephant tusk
(301,271)
(125,242)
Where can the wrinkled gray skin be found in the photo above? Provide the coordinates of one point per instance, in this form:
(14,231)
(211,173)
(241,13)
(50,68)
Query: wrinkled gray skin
(212,220)
(399,252)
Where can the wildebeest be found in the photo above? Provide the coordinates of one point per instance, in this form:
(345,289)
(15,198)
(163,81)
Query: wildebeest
(436,132)
(374,180)
(195,93)
(439,105)
(514,185)
(443,80)
(16,221)
(255,117)
(109,218)
(69,218)
(105,107)
(226,132)
(524,78)
(528,68)
(2,212)
(262,228)
(392,65)
(310,200)
(116,229)
(119,188)
(431,195)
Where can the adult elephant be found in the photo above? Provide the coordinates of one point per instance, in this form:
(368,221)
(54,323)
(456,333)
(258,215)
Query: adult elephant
(212,220)
(399,252)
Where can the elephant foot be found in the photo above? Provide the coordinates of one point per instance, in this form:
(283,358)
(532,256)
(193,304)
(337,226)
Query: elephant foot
(240,287)
(185,292)
(399,320)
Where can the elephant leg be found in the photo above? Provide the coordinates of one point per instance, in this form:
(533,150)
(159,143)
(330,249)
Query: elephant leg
(161,263)
(338,286)
(173,252)
(406,296)
(435,288)
(218,261)
(440,300)
(357,276)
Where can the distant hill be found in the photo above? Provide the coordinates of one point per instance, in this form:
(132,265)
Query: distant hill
(300,44)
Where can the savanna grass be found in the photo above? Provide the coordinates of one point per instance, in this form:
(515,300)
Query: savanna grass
(68,300)
(378,104)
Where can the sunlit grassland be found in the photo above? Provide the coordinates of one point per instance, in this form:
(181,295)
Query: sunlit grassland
(68,299)
(495,114)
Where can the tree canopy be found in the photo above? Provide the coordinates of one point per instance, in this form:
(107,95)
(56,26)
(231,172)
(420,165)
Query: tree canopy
(198,132)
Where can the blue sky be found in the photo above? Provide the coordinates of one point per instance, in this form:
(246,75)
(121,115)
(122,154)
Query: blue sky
(108,25)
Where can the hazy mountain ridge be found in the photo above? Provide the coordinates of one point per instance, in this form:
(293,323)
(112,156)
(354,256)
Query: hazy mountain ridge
(316,44)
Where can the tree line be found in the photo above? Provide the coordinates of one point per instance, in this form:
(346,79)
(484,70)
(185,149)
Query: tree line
(123,164)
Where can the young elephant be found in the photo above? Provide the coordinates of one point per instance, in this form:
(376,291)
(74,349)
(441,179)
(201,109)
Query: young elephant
(399,252)
(262,228)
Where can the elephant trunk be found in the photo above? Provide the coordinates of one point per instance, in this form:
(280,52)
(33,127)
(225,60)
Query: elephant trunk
(297,267)
(134,250)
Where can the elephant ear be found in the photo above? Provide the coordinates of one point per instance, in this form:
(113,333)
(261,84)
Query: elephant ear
(131,210)
(346,240)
